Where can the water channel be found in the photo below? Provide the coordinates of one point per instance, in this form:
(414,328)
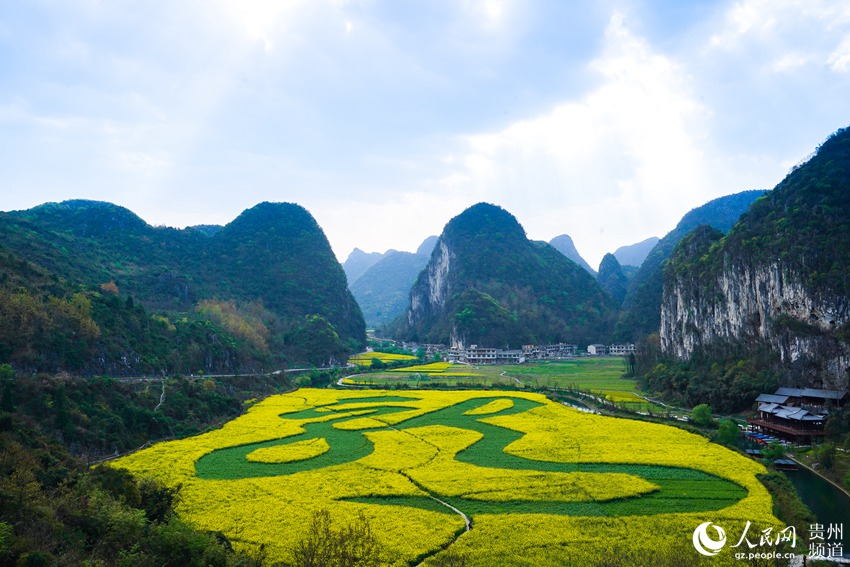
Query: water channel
(829,504)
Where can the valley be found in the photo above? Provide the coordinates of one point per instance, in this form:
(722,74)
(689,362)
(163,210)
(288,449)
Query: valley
(270,416)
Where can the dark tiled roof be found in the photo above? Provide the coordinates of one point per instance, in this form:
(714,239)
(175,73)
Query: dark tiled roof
(772,399)
(790,412)
(811,393)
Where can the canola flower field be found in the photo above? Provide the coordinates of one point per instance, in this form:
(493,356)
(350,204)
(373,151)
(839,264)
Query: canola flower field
(365,358)
(542,484)
(595,376)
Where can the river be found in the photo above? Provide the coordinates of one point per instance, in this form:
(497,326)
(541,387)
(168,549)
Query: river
(830,506)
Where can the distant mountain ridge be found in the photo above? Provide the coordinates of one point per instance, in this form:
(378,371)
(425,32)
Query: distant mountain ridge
(642,305)
(565,245)
(359,261)
(383,290)
(487,284)
(635,254)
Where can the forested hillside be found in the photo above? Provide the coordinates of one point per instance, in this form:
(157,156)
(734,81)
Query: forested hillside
(777,284)
(641,314)
(486,283)
(89,287)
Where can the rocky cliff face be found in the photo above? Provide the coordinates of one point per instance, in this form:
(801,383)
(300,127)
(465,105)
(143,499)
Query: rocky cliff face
(487,284)
(778,281)
(761,305)
(384,289)
(431,291)
(641,305)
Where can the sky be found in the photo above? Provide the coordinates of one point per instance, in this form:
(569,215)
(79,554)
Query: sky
(606,120)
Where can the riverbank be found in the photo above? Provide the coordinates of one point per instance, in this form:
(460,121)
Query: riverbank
(815,471)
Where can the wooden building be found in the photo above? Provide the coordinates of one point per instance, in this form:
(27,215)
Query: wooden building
(798,414)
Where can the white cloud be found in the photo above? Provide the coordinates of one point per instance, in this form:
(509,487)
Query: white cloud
(839,60)
(491,13)
(261,19)
(606,167)
(789,62)
(747,18)
(792,33)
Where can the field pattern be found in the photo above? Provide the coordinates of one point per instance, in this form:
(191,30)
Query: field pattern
(536,478)
(596,377)
(586,373)
(365,358)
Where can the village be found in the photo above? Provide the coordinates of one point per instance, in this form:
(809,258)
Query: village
(476,354)
(790,415)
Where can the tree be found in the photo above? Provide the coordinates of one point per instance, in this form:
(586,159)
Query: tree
(727,433)
(825,454)
(774,451)
(7,403)
(7,374)
(325,546)
(701,416)
(632,364)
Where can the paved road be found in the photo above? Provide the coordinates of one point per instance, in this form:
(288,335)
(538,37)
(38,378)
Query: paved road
(204,376)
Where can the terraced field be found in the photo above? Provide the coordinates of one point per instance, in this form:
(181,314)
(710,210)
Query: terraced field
(541,483)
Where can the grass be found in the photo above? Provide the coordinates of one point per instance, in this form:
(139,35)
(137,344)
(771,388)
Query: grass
(602,373)
(839,471)
(598,376)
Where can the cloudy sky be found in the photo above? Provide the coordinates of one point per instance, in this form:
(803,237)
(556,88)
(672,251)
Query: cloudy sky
(604,120)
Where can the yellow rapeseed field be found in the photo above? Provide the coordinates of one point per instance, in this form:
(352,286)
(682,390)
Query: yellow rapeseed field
(430,368)
(297,451)
(365,358)
(620,397)
(544,484)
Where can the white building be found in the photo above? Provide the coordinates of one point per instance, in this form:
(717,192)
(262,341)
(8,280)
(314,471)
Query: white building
(621,349)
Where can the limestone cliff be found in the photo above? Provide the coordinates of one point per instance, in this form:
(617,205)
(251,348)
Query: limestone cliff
(779,280)
(383,290)
(642,304)
(487,283)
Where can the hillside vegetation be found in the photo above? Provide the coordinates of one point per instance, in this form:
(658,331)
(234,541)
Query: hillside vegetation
(90,287)
(56,510)
(641,314)
(775,288)
(487,284)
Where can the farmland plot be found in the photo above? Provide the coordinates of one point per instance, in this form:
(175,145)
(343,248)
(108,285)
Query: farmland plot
(542,484)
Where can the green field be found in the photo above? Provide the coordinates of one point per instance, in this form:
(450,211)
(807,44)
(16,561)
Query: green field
(464,477)
(602,376)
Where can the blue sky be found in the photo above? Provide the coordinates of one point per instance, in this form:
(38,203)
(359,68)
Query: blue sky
(604,120)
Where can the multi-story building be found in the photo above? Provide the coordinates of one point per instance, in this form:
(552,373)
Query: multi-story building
(621,349)
(796,413)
